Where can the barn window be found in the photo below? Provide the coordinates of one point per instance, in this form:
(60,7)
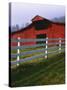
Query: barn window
(41,36)
(41,24)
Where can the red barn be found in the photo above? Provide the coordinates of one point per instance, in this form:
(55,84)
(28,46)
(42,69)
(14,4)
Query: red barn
(41,28)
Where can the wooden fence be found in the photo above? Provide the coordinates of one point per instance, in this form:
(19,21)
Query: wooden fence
(44,48)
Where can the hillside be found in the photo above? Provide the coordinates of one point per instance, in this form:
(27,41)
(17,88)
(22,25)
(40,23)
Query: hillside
(60,19)
(46,72)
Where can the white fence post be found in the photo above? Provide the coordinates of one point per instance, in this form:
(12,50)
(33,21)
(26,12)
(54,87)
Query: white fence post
(46,51)
(18,51)
(59,45)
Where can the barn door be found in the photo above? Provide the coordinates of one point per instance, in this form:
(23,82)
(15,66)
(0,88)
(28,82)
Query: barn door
(41,36)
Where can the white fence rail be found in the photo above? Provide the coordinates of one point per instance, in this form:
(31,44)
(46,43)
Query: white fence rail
(44,50)
(33,46)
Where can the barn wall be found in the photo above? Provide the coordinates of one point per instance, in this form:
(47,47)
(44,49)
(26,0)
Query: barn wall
(27,34)
(55,31)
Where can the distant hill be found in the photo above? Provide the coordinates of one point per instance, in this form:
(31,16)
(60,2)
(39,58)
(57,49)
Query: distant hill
(60,19)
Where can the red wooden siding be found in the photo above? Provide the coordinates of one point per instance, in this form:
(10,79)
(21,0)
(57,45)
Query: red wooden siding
(57,30)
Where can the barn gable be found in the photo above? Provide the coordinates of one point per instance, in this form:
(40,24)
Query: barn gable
(36,18)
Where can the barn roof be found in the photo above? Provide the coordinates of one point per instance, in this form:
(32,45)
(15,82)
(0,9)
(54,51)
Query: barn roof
(37,18)
(23,29)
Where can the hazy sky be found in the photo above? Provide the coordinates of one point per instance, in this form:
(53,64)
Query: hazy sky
(22,13)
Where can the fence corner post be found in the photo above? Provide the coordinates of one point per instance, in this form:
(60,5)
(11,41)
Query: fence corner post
(18,51)
(46,48)
(59,45)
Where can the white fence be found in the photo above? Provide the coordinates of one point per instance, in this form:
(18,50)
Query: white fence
(44,48)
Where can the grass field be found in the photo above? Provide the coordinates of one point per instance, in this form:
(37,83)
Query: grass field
(44,72)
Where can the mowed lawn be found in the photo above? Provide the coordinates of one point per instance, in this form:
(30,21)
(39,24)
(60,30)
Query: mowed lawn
(45,72)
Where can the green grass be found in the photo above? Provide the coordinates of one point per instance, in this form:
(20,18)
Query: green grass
(44,72)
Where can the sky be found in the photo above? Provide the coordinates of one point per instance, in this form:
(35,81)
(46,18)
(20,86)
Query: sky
(22,13)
